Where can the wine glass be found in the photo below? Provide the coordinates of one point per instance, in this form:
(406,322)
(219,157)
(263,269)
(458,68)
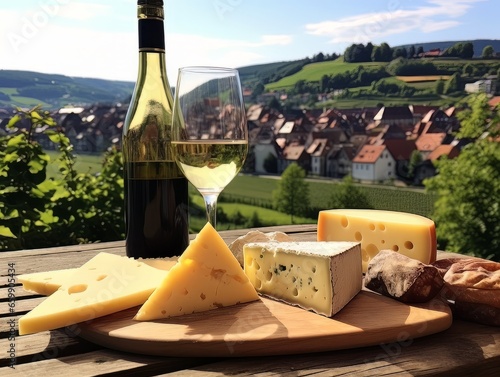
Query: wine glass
(209,132)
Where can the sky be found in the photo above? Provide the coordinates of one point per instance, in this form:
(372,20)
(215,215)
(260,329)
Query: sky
(98,39)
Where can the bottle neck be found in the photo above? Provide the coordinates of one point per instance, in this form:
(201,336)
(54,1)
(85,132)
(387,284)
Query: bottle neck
(151,35)
(150,17)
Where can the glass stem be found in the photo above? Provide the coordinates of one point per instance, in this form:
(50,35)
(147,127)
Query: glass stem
(211,207)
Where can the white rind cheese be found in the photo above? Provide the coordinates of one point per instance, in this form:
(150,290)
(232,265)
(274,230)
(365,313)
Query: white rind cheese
(318,276)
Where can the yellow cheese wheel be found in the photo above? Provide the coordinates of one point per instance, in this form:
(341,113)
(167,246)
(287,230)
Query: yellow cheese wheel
(409,234)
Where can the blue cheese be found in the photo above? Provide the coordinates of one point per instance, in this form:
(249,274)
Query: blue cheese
(318,276)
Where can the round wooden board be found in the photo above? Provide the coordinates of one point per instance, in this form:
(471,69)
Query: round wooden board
(268,327)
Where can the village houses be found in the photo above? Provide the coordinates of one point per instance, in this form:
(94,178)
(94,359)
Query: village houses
(371,144)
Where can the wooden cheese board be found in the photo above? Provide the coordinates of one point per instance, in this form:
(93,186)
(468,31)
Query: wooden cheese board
(268,327)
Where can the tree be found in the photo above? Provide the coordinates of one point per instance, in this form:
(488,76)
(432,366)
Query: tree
(475,120)
(468,69)
(292,194)
(411,52)
(467,211)
(325,83)
(439,86)
(258,90)
(347,195)
(420,50)
(415,160)
(39,211)
(454,84)
(376,54)
(386,52)
(488,52)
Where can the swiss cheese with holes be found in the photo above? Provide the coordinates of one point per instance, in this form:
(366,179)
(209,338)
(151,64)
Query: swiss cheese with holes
(409,234)
(105,284)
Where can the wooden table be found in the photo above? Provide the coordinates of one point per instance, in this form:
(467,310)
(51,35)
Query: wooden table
(464,349)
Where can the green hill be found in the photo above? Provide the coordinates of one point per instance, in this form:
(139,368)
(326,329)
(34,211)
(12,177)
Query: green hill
(25,89)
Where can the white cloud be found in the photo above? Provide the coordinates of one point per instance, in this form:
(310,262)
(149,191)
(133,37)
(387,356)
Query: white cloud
(186,50)
(435,15)
(83,11)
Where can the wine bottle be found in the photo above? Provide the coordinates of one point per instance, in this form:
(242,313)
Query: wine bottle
(156,191)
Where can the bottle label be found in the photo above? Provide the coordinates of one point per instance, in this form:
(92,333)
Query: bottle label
(151,35)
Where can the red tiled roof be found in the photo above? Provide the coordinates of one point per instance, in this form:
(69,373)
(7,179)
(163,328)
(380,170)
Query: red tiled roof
(495,101)
(448,150)
(369,154)
(400,149)
(293,152)
(317,147)
(429,142)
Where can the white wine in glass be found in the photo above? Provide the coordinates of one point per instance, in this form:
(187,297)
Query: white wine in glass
(209,134)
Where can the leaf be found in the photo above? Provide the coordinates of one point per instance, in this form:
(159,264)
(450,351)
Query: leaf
(54,137)
(35,166)
(5,232)
(35,115)
(16,140)
(12,122)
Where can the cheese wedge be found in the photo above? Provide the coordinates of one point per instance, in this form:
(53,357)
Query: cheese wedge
(46,283)
(105,284)
(409,234)
(318,276)
(207,276)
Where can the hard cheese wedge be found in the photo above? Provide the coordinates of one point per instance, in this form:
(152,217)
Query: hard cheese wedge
(46,283)
(409,234)
(105,284)
(207,276)
(318,276)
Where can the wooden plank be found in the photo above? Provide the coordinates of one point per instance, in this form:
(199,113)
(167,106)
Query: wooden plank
(21,306)
(45,345)
(465,349)
(102,362)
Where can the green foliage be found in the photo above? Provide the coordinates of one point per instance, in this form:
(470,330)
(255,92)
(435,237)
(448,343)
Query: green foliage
(487,52)
(454,84)
(475,120)
(347,195)
(292,194)
(439,86)
(40,211)
(460,50)
(467,211)
(405,67)
(415,160)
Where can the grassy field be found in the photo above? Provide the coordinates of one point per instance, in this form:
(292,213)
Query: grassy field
(260,189)
(314,72)
(247,194)
(18,100)
(84,163)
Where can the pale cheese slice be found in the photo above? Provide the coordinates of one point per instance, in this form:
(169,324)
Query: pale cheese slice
(105,284)
(207,276)
(319,276)
(46,283)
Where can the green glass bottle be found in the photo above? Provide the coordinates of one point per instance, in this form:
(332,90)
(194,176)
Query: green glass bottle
(156,191)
